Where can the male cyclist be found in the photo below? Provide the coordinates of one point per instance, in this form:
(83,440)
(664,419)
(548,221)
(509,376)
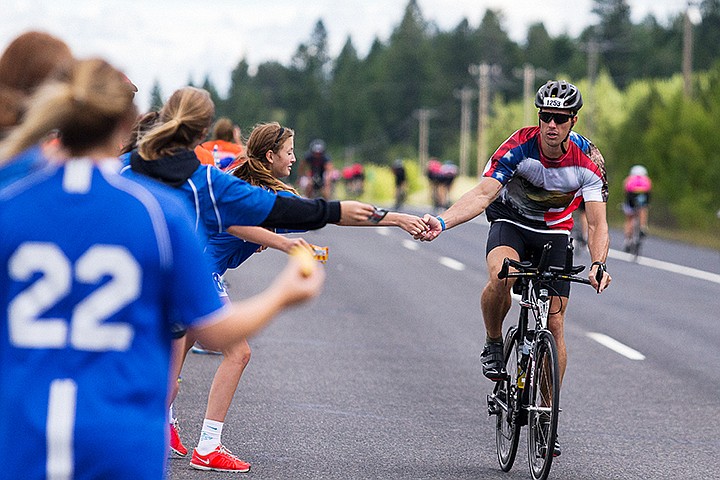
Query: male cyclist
(637,187)
(530,187)
(318,166)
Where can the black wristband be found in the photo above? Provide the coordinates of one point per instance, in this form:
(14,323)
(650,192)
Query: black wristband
(378,215)
(602,264)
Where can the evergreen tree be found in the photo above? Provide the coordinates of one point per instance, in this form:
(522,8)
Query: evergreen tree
(244,103)
(707,34)
(403,74)
(214,95)
(539,49)
(349,108)
(308,86)
(156,98)
(615,36)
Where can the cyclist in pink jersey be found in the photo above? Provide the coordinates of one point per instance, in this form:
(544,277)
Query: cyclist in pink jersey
(637,187)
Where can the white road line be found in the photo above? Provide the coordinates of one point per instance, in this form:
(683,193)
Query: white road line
(410,244)
(450,263)
(384,231)
(616,346)
(667,266)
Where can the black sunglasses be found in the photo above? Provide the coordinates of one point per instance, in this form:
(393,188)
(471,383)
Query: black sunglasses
(559,118)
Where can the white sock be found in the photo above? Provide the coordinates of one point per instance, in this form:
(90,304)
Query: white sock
(209,436)
(171,414)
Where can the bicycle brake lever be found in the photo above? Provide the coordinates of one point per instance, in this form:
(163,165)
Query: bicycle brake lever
(599,273)
(503,273)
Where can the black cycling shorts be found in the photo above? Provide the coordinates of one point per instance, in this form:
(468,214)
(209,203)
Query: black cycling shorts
(637,200)
(529,246)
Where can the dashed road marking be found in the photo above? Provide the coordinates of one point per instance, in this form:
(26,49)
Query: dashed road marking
(616,346)
(451,263)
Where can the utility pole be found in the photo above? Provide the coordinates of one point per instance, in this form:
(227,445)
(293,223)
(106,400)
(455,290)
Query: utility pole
(483,72)
(466,94)
(528,74)
(528,89)
(593,51)
(687,55)
(423,115)
(692,16)
(593,55)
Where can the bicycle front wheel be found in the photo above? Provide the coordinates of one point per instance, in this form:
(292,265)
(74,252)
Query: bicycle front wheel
(544,406)
(507,395)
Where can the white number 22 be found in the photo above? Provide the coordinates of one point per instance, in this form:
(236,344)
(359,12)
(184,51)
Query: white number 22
(84,330)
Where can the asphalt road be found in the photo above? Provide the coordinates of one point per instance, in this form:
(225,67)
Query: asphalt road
(379,377)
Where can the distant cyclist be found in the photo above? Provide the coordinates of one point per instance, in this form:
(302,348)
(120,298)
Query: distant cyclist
(637,187)
(318,166)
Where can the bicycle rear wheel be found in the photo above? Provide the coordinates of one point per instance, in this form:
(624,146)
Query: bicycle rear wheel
(507,397)
(544,406)
(637,236)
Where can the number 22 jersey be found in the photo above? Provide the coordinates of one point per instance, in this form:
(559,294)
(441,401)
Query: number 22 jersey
(94,274)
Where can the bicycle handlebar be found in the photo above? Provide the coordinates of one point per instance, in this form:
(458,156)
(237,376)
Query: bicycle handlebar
(543,270)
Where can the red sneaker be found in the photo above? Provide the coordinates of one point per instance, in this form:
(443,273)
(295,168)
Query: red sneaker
(220,460)
(175,443)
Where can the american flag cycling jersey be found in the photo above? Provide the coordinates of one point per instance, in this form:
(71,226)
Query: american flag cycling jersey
(539,192)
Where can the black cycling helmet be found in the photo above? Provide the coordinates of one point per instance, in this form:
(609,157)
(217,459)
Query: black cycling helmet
(317,146)
(559,94)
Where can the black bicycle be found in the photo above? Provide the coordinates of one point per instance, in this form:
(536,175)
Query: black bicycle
(530,394)
(634,243)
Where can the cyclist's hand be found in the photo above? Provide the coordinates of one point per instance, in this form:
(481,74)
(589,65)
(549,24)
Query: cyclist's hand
(599,277)
(412,224)
(434,228)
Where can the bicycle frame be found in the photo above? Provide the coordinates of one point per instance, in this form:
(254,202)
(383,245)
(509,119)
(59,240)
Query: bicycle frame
(522,398)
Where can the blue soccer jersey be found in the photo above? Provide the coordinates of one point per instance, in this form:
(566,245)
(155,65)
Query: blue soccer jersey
(225,251)
(21,165)
(220,200)
(95,269)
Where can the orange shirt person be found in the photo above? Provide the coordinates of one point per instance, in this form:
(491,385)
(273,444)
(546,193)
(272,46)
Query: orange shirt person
(225,146)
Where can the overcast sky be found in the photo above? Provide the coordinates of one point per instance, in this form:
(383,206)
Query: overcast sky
(177,40)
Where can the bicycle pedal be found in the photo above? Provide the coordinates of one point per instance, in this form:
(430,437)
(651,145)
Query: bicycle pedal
(493,408)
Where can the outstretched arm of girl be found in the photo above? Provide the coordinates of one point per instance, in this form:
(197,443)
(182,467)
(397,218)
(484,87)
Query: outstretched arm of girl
(294,285)
(267,238)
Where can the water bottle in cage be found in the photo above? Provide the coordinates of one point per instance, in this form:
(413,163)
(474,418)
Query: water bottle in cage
(522,361)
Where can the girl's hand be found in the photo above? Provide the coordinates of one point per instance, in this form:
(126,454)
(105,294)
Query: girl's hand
(353,212)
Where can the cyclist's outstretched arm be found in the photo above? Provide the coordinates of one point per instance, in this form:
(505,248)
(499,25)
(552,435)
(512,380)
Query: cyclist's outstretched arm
(598,242)
(469,206)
